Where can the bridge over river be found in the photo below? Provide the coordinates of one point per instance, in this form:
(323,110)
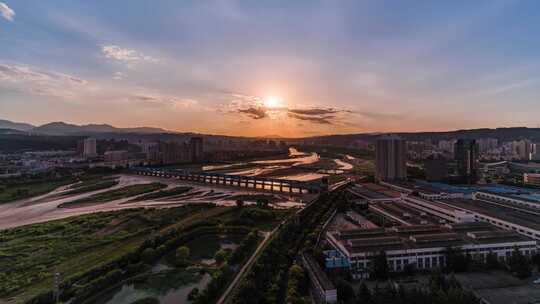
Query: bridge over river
(250,182)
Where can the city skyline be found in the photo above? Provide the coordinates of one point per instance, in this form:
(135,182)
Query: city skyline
(271,68)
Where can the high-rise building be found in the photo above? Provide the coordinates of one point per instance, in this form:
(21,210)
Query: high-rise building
(390,158)
(89,147)
(487,144)
(197,150)
(167,153)
(466,156)
(522,149)
(436,168)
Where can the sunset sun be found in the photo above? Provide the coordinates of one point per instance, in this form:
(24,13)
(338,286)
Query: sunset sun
(273,102)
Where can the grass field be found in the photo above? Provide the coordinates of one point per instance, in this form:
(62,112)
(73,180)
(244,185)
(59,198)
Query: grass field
(111,195)
(26,190)
(29,255)
(162,194)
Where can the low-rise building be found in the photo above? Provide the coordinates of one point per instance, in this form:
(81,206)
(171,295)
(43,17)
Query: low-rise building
(423,247)
(323,290)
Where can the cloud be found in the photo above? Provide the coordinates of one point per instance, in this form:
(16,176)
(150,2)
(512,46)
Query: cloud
(119,76)
(510,86)
(253,107)
(125,55)
(322,120)
(25,73)
(379,116)
(255,113)
(164,100)
(6,12)
(41,82)
(315,111)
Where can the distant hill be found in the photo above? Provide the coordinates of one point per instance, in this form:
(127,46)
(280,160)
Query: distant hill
(20,126)
(502,134)
(105,131)
(62,128)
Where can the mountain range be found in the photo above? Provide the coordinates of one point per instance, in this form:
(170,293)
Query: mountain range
(20,126)
(107,131)
(62,128)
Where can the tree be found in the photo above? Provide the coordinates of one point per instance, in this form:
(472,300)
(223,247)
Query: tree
(296,285)
(193,294)
(262,202)
(239,203)
(380,266)
(492,262)
(520,265)
(182,254)
(345,292)
(220,256)
(536,260)
(148,255)
(364,294)
(456,261)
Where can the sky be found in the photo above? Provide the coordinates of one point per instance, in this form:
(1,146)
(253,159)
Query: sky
(265,68)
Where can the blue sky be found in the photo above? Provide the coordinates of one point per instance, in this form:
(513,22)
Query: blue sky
(327,66)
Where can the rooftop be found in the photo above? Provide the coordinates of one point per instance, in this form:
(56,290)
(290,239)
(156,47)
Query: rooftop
(508,214)
(428,236)
(406,213)
(374,192)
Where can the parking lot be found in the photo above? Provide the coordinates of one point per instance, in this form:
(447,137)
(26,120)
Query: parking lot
(501,287)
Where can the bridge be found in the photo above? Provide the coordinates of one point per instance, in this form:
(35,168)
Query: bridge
(249,182)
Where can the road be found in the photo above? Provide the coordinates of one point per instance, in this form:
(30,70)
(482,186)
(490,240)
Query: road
(246,267)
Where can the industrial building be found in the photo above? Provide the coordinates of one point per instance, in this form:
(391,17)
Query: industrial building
(519,220)
(422,247)
(374,193)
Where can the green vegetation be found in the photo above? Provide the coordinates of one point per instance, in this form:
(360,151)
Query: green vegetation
(440,290)
(226,271)
(115,194)
(149,300)
(268,279)
(298,286)
(255,197)
(10,193)
(99,252)
(336,178)
(520,266)
(89,187)
(182,254)
(26,186)
(30,254)
(162,193)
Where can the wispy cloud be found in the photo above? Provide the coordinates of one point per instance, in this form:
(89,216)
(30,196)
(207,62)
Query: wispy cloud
(119,76)
(322,120)
(164,100)
(507,87)
(6,12)
(118,53)
(40,82)
(315,111)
